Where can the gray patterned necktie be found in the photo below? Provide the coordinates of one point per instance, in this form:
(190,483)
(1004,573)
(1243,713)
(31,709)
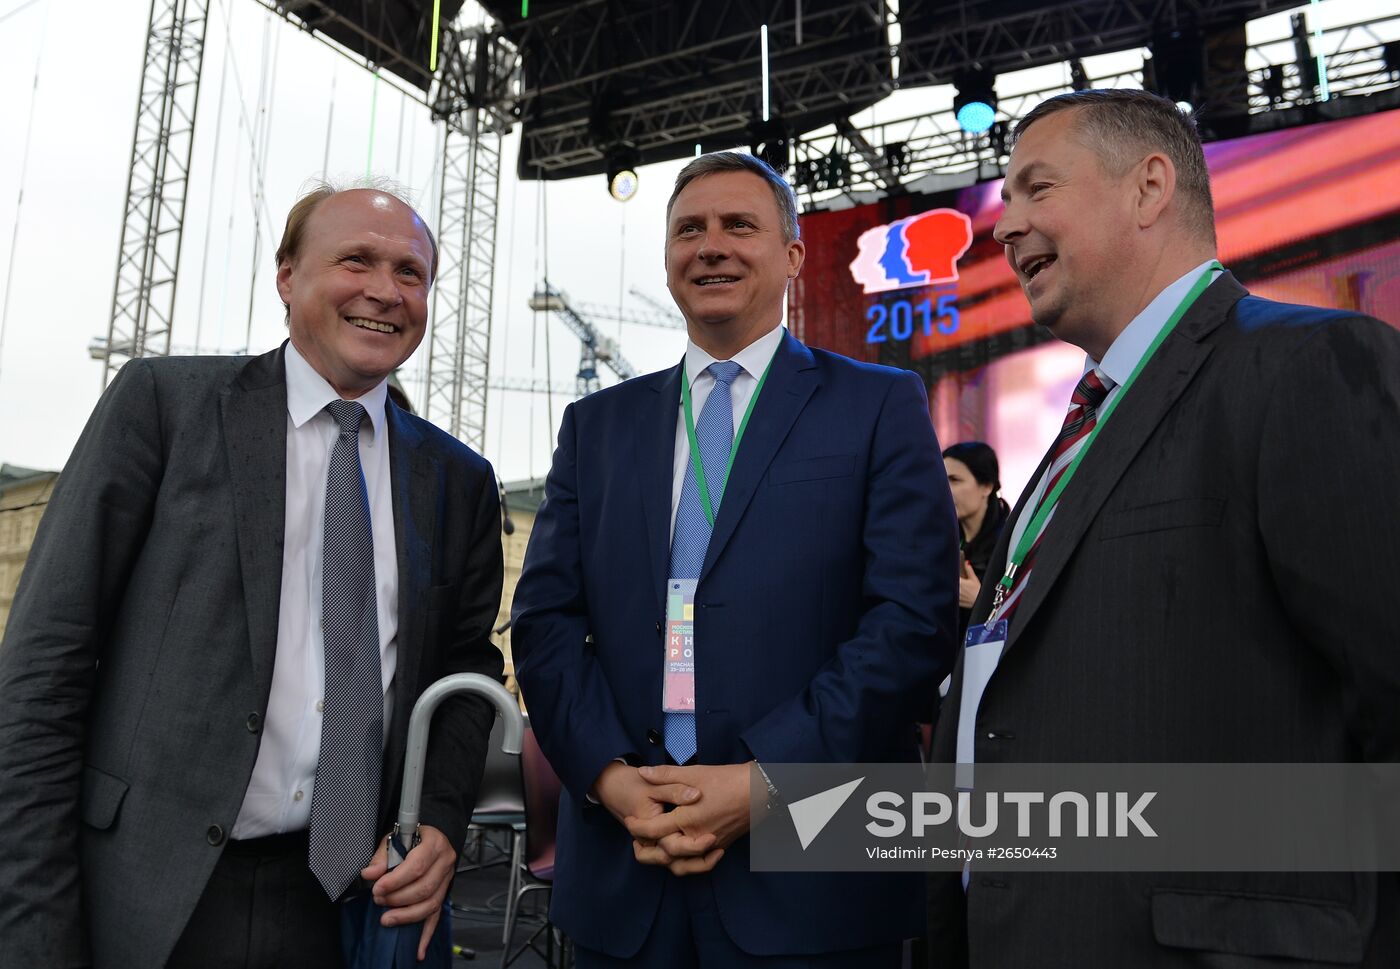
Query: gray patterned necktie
(345,797)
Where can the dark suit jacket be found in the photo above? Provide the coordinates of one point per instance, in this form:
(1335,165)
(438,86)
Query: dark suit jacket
(1217,585)
(137,663)
(823,618)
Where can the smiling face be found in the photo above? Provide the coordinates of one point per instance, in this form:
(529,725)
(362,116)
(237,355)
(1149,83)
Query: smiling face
(727,264)
(1068,232)
(357,288)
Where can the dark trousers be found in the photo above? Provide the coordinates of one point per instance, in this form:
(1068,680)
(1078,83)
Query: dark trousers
(262,909)
(689,934)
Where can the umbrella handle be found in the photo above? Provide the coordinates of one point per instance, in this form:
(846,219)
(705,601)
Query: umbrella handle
(417,752)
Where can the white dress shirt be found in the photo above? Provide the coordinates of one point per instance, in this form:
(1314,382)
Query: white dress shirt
(278,798)
(754,360)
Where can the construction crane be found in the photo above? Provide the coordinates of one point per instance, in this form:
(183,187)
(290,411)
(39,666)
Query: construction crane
(655,313)
(667,314)
(595,348)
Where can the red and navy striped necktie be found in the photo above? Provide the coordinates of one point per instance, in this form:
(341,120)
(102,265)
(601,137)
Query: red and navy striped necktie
(1089,394)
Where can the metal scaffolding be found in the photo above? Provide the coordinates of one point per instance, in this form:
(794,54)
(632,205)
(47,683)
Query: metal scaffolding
(475,89)
(143,298)
(930,152)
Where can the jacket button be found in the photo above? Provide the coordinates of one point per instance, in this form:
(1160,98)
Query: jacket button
(215,835)
(254,723)
(654,736)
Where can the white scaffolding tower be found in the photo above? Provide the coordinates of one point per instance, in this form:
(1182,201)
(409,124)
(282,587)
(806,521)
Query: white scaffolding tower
(143,297)
(475,88)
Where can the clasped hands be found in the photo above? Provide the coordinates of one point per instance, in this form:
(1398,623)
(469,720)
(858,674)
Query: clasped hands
(709,809)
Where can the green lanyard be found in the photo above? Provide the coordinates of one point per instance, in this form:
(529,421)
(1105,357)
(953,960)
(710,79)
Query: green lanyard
(1047,502)
(733,450)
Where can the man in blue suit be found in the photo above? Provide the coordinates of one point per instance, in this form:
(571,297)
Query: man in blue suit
(794,501)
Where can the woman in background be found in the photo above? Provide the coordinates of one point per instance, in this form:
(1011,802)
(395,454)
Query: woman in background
(974,479)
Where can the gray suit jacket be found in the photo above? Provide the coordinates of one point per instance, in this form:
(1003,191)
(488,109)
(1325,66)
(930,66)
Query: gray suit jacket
(1217,585)
(136,667)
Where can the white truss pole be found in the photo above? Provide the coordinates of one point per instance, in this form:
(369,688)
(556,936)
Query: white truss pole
(475,83)
(143,297)
(459,355)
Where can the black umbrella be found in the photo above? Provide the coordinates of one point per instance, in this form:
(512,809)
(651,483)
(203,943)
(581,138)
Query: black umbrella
(365,943)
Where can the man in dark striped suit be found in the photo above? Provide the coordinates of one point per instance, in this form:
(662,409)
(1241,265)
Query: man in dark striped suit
(1202,569)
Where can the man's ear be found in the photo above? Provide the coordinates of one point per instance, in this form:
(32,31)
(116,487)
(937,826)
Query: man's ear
(797,254)
(284,281)
(1156,187)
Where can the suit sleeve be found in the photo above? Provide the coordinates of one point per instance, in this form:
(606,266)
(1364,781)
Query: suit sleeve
(557,670)
(68,599)
(881,678)
(1329,465)
(461,728)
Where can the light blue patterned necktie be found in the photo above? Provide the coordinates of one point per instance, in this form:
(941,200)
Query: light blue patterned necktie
(345,797)
(714,434)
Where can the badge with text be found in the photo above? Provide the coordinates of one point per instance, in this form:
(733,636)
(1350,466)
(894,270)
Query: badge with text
(982,650)
(678,691)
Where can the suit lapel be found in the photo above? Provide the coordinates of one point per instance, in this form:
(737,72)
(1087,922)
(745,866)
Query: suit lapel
(655,461)
(253,412)
(996,565)
(413,473)
(945,734)
(1158,387)
(791,383)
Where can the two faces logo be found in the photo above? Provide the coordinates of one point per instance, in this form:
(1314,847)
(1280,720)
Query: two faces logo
(922,250)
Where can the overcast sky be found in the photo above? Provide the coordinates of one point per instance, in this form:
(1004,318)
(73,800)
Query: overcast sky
(65,156)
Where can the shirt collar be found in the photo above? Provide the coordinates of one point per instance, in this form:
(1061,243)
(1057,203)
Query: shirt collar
(1127,350)
(753,358)
(308,394)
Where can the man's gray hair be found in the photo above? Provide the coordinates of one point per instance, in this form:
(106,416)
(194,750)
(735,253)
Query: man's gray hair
(735,161)
(1124,125)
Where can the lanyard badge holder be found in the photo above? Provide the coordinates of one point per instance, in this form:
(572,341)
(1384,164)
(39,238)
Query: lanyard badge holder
(678,671)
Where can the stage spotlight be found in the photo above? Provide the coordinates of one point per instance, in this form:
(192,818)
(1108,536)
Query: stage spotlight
(1271,84)
(997,139)
(622,172)
(1078,77)
(1178,67)
(975,103)
(897,157)
(1309,77)
(770,141)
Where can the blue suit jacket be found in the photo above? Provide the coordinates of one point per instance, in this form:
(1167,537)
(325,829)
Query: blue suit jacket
(825,617)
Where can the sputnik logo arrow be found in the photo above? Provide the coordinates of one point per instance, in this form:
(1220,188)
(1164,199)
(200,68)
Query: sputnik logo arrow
(811,814)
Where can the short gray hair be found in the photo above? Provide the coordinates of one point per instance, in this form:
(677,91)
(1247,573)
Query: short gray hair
(1124,124)
(736,161)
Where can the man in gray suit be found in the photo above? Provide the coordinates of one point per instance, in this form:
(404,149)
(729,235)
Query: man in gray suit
(1213,583)
(249,571)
